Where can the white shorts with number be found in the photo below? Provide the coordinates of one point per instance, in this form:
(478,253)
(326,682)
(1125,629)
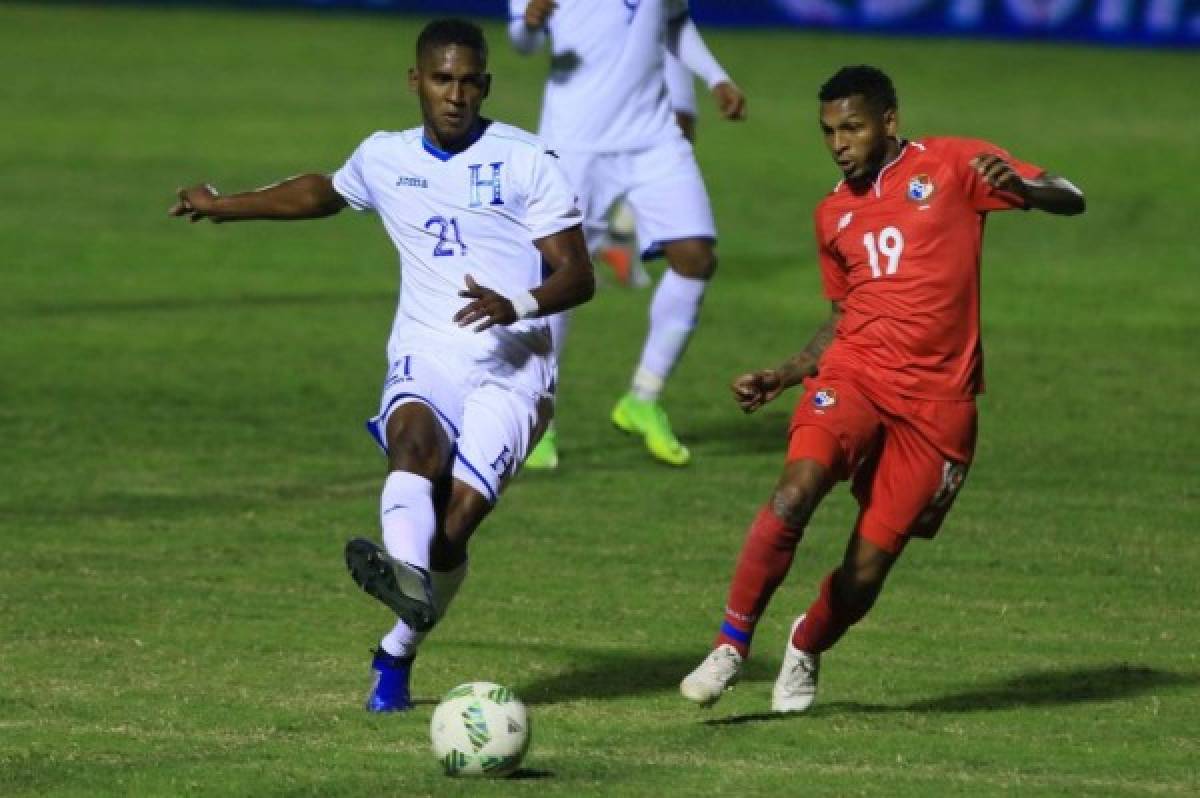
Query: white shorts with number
(662,184)
(491,414)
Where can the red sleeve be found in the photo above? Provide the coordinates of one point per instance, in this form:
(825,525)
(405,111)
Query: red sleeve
(982,196)
(833,276)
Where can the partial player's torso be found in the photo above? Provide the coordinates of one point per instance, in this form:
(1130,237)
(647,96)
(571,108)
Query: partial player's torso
(606,88)
(909,248)
(454,215)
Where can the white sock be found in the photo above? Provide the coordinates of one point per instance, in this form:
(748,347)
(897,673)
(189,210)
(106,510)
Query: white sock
(402,641)
(673,315)
(406,515)
(646,384)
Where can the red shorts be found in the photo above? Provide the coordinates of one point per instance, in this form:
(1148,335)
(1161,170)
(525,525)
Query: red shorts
(907,457)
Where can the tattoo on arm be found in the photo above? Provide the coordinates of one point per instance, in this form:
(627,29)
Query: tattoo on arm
(804,363)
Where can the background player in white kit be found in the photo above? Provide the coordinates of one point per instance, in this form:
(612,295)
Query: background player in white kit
(474,208)
(606,112)
(619,250)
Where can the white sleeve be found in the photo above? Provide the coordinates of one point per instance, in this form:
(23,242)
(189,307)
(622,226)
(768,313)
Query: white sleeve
(695,55)
(524,40)
(552,205)
(681,86)
(350,182)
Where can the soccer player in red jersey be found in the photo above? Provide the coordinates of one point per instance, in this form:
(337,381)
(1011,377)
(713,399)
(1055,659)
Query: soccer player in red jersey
(889,380)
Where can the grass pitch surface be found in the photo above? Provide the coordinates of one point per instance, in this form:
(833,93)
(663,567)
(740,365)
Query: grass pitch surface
(181,409)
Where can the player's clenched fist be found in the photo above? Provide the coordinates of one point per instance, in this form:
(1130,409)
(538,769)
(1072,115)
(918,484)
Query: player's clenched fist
(730,100)
(999,173)
(538,11)
(196,203)
(753,390)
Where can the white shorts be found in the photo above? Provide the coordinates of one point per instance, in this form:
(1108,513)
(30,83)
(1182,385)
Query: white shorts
(491,421)
(662,184)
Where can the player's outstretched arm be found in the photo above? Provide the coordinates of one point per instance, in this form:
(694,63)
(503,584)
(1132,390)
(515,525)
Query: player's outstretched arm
(1045,192)
(685,42)
(570,283)
(755,389)
(304,197)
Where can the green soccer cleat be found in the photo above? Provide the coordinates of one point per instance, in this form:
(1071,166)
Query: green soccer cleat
(648,419)
(544,456)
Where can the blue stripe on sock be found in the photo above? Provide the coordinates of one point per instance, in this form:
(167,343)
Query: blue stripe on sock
(731,631)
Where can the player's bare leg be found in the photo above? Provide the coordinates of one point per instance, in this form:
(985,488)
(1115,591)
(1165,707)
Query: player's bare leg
(847,595)
(674,312)
(764,561)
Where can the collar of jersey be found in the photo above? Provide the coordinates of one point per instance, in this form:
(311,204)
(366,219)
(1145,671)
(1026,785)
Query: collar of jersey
(442,155)
(878,182)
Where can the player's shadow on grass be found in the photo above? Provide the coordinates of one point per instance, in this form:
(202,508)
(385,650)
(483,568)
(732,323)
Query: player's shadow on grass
(733,433)
(1046,688)
(620,674)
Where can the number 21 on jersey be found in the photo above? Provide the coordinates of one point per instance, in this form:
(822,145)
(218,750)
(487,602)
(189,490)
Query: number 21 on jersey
(889,244)
(448,236)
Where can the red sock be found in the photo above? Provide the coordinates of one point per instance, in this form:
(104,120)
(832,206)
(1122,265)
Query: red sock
(825,622)
(764,561)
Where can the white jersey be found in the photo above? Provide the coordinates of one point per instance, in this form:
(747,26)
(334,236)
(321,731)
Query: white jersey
(474,212)
(606,91)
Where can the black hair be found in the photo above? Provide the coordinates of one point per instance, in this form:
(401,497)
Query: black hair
(444,32)
(870,82)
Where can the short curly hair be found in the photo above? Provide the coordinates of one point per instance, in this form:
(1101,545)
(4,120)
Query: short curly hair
(444,32)
(870,82)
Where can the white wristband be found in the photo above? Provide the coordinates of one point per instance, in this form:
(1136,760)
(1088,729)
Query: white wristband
(524,304)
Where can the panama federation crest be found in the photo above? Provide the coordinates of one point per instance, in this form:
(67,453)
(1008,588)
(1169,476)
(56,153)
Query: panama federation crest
(920,188)
(824,399)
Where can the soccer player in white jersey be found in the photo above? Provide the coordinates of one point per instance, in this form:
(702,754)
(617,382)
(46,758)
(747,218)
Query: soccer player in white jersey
(476,210)
(618,248)
(606,112)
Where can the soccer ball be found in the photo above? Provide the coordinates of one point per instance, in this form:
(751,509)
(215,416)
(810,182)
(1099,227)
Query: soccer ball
(480,729)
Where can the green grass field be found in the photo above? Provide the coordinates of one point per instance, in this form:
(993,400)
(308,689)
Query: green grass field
(183,456)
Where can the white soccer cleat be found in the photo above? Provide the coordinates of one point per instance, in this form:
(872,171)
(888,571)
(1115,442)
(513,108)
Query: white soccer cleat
(712,677)
(796,688)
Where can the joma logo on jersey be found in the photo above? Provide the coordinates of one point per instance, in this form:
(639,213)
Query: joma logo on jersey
(479,184)
(415,182)
(920,188)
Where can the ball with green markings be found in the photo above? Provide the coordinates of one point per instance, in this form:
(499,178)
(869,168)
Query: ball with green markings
(480,729)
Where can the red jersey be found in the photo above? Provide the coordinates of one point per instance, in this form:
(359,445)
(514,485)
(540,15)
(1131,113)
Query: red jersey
(902,257)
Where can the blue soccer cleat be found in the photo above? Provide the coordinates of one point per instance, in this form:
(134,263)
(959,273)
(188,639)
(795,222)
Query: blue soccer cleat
(390,691)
